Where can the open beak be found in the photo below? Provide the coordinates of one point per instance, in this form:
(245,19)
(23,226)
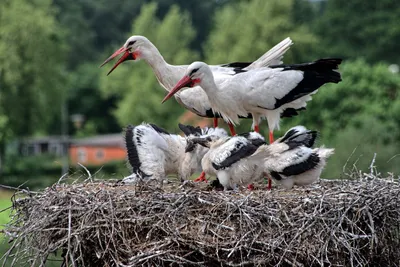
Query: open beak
(116,53)
(126,56)
(184,82)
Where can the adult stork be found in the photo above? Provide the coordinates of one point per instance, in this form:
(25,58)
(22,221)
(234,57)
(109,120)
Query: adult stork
(289,160)
(194,99)
(263,92)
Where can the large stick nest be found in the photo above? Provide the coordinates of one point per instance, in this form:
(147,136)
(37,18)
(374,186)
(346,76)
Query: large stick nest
(102,223)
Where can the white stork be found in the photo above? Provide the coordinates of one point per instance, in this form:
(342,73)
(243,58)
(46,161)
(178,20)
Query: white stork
(153,153)
(229,151)
(194,99)
(289,160)
(263,92)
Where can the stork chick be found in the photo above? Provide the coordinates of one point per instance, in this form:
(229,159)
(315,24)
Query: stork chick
(290,160)
(153,153)
(231,153)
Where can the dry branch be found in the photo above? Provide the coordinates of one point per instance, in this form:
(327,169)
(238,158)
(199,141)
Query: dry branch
(101,223)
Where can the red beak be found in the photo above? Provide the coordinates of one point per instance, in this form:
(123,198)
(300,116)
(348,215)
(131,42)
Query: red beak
(126,56)
(184,82)
(116,53)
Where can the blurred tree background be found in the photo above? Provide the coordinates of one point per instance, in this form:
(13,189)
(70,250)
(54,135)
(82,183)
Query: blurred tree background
(50,51)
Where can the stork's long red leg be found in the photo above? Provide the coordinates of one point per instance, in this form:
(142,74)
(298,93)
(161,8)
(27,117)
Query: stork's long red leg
(201,178)
(269,183)
(215,122)
(271,137)
(256,128)
(271,140)
(232,129)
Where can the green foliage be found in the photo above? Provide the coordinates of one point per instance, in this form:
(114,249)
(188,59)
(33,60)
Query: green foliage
(93,25)
(31,72)
(37,172)
(356,146)
(32,171)
(245,30)
(358,28)
(5,203)
(200,13)
(135,83)
(85,98)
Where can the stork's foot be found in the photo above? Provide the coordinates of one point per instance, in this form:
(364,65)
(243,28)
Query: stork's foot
(250,187)
(201,178)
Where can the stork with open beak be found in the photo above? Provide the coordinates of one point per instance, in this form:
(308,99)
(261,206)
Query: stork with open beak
(194,99)
(263,92)
(289,160)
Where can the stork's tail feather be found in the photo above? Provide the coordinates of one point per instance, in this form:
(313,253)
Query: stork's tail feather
(273,56)
(322,71)
(315,75)
(299,136)
(328,69)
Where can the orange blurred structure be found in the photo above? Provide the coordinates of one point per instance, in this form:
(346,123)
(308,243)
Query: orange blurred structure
(97,150)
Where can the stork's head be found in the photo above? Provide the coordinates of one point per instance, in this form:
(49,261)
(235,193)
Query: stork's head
(194,75)
(207,141)
(131,50)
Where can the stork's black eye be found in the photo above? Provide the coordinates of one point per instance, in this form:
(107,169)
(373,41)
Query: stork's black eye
(131,43)
(193,71)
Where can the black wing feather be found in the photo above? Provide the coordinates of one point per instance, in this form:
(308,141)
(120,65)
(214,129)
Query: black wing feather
(240,151)
(295,139)
(311,162)
(255,141)
(158,129)
(239,65)
(189,129)
(304,139)
(315,75)
(133,156)
(291,112)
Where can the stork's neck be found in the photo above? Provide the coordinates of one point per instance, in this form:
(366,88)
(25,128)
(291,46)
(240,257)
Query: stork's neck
(209,86)
(165,73)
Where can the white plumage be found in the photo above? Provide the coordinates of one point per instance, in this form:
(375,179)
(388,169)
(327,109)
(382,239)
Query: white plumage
(153,153)
(228,158)
(291,160)
(241,160)
(263,92)
(193,99)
